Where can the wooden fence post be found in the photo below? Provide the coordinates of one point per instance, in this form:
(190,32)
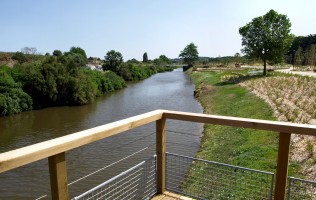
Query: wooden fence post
(282,166)
(58,177)
(161,154)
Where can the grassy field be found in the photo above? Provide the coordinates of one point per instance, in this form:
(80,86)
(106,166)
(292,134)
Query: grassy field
(238,146)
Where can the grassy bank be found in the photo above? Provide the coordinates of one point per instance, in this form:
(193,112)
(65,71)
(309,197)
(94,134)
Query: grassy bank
(248,148)
(238,146)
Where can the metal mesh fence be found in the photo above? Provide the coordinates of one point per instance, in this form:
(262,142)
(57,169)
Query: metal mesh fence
(299,189)
(139,182)
(203,179)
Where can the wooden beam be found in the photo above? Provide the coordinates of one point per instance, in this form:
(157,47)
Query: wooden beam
(282,166)
(32,153)
(285,127)
(58,177)
(161,154)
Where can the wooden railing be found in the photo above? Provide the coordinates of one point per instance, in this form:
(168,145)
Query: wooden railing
(55,149)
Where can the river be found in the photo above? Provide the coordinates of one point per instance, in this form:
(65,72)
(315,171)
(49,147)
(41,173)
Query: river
(169,90)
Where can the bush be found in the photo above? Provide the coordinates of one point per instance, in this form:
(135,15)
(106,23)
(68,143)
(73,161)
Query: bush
(12,98)
(116,81)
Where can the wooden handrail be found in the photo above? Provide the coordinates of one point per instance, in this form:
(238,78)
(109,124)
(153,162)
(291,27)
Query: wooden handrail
(277,126)
(55,149)
(19,157)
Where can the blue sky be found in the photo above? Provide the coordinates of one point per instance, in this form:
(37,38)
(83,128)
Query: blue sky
(137,26)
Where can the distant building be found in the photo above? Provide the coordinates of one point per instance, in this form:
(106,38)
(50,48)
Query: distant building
(94,67)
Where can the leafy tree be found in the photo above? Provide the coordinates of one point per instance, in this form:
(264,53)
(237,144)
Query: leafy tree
(164,59)
(12,98)
(57,53)
(189,54)
(72,61)
(267,37)
(113,60)
(81,52)
(145,57)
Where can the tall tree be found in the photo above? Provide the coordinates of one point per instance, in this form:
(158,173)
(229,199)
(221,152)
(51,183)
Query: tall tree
(311,55)
(189,54)
(267,37)
(298,57)
(113,59)
(145,57)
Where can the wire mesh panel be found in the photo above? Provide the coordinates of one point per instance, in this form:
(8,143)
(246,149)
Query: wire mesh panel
(299,189)
(203,179)
(139,182)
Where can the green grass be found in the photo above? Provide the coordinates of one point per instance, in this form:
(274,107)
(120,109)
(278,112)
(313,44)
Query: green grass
(255,149)
(250,148)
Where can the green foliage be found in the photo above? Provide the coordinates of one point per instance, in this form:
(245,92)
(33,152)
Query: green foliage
(12,98)
(132,72)
(57,53)
(302,41)
(113,60)
(72,61)
(105,82)
(267,37)
(189,54)
(20,57)
(164,59)
(237,146)
(145,57)
(116,81)
(81,52)
(133,61)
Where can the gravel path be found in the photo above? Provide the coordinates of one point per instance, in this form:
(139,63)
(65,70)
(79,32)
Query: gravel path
(308,73)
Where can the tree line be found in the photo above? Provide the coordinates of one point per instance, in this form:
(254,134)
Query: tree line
(303,51)
(62,79)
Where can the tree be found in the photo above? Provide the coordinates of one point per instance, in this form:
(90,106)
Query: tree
(145,57)
(57,53)
(189,54)
(267,37)
(311,55)
(298,57)
(26,50)
(164,59)
(79,51)
(113,60)
(20,57)
(237,58)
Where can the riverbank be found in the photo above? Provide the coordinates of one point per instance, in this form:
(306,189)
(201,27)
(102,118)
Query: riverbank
(237,146)
(51,83)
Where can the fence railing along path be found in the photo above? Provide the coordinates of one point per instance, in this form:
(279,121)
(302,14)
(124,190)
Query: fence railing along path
(55,149)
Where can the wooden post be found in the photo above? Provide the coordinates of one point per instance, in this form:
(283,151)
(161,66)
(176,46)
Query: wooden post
(161,154)
(282,166)
(58,177)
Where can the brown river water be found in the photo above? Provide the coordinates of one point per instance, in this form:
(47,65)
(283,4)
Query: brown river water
(169,90)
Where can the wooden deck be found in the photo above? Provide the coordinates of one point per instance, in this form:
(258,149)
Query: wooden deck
(170,196)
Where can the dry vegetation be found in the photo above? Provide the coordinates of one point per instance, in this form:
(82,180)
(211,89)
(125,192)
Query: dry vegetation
(292,98)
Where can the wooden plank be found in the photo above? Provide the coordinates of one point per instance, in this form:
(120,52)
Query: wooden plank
(161,154)
(58,177)
(285,127)
(32,153)
(282,165)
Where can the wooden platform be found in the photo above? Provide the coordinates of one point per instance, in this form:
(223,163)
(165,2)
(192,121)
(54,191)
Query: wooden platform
(170,196)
